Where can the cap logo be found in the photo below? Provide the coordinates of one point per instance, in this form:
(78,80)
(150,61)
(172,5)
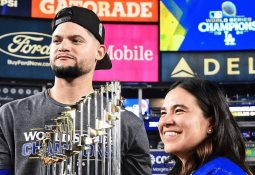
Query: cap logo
(100,29)
(62,20)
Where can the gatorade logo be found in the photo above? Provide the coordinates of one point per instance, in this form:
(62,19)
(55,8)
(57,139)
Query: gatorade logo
(107,10)
(182,69)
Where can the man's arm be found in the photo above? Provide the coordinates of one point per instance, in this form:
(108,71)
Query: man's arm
(5,155)
(136,152)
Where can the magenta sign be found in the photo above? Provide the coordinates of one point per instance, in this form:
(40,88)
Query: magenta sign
(133,50)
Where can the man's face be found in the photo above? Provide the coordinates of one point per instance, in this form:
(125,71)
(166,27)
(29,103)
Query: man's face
(74,51)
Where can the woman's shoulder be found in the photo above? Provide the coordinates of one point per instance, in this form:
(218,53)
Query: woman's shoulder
(220,166)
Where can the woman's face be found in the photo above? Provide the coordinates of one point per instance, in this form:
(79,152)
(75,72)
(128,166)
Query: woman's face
(182,125)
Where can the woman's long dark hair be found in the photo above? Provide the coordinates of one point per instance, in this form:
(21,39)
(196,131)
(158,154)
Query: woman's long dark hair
(226,139)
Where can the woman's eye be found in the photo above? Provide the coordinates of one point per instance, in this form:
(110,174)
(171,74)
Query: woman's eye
(179,110)
(162,113)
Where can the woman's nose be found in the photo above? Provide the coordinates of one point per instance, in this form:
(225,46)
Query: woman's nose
(167,120)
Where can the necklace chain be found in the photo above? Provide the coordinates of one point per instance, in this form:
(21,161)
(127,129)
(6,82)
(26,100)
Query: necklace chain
(49,92)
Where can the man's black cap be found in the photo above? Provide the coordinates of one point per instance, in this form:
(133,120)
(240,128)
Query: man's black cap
(90,21)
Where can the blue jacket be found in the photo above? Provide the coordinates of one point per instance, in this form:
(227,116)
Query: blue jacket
(5,172)
(220,166)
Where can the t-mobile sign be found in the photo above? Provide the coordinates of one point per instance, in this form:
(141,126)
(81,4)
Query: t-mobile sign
(133,50)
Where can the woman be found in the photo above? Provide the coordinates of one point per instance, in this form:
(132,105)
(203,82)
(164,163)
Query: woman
(199,131)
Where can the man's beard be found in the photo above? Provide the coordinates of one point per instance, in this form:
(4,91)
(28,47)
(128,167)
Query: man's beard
(67,72)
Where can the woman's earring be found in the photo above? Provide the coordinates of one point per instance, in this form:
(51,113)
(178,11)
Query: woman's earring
(209,131)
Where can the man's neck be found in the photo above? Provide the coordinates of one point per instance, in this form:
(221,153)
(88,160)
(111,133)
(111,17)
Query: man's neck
(70,91)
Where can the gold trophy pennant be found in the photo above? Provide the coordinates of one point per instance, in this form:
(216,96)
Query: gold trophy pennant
(111,117)
(95,133)
(103,125)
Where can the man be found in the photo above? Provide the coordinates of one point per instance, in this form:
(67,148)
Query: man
(77,49)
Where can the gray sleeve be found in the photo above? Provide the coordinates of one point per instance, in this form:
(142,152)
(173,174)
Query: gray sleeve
(136,156)
(5,138)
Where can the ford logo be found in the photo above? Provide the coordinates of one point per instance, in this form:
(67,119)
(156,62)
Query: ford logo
(27,45)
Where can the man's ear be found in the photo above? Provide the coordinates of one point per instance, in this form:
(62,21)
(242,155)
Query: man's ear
(101,51)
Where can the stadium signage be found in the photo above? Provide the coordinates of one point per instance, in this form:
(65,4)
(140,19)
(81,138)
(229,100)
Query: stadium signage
(222,66)
(9,3)
(138,53)
(144,10)
(27,45)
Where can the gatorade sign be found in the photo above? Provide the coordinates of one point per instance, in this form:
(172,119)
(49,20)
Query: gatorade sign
(107,10)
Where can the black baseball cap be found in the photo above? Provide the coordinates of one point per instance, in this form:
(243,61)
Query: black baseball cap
(90,21)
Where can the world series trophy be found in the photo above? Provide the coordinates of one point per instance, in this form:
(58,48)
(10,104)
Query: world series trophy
(76,134)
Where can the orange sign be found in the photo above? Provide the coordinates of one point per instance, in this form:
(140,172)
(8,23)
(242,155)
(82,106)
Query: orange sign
(107,10)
